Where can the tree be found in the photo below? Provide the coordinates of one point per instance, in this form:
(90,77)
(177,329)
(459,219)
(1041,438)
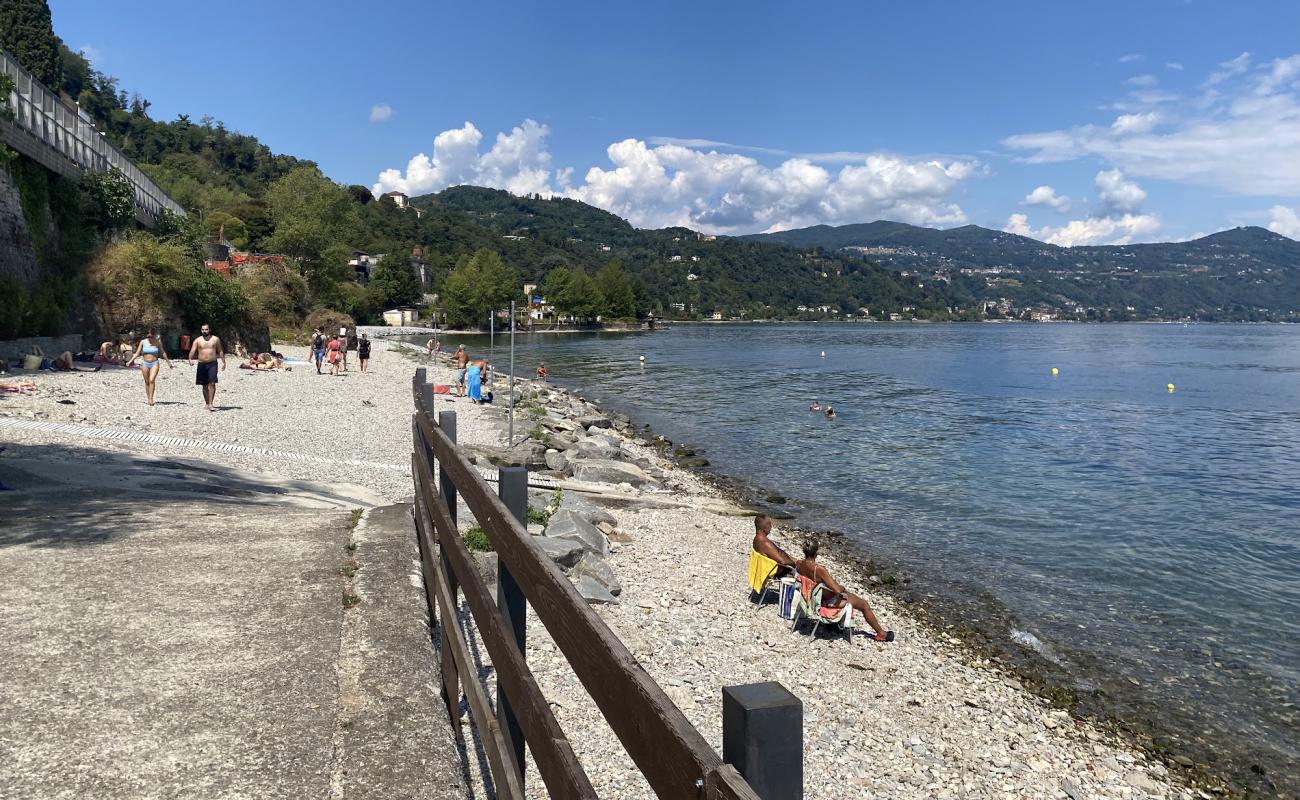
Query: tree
(616,290)
(573,292)
(27,32)
(314,220)
(477,287)
(394,283)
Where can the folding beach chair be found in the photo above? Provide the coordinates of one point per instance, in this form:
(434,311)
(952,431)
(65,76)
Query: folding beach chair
(762,576)
(809,605)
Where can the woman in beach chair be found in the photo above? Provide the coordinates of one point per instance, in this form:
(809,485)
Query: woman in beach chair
(826,600)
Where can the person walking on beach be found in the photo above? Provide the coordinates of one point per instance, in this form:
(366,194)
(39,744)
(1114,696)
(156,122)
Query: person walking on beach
(151,354)
(363,351)
(343,349)
(318,348)
(461,359)
(809,568)
(207,349)
(333,355)
(474,380)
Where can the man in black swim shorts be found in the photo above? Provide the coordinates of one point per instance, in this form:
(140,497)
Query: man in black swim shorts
(207,349)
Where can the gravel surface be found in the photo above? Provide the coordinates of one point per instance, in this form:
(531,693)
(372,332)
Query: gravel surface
(917,718)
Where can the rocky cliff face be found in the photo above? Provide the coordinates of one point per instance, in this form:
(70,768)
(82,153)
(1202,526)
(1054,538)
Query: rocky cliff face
(17,256)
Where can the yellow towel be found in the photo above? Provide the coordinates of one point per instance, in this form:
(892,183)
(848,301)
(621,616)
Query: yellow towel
(760,569)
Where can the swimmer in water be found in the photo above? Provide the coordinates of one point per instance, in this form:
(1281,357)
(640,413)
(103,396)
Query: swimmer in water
(816,406)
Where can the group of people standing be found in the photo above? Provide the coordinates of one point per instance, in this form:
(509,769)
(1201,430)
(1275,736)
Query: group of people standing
(471,375)
(335,351)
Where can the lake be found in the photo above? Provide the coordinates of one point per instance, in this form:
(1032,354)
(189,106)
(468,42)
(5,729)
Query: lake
(1144,541)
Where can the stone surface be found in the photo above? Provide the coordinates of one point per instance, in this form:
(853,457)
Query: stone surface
(607,471)
(564,552)
(565,524)
(599,570)
(592,591)
(595,421)
(587,509)
(556,461)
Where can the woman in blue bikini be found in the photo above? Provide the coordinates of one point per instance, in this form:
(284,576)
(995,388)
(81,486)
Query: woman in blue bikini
(151,354)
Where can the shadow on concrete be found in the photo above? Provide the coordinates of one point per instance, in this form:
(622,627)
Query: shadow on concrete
(61,495)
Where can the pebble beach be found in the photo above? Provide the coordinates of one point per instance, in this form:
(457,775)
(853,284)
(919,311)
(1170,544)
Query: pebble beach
(921,717)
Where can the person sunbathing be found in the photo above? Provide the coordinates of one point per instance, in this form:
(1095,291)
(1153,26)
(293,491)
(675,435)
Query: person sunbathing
(257,362)
(809,568)
(766,547)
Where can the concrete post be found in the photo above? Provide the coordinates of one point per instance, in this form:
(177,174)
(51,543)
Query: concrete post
(762,737)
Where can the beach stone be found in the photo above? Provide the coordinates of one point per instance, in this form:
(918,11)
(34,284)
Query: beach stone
(1142,782)
(1071,789)
(600,571)
(576,503)
(565,524)
(592,591)
(606,471)
(557,461)
(595,421)
(565,552)
(594,448)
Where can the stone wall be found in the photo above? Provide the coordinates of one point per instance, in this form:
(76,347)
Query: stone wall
(17,259)
(50,345)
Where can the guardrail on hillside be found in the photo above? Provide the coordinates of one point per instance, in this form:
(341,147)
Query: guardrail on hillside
(673,756)
(46,130)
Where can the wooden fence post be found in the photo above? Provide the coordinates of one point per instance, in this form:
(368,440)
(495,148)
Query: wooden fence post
(762,737)
(447,488)
(512,488)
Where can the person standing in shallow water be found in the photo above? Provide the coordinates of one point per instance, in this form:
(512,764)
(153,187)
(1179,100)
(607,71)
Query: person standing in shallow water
(151,354)
(206,350)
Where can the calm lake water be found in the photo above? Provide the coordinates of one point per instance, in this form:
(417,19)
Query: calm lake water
(1148,542)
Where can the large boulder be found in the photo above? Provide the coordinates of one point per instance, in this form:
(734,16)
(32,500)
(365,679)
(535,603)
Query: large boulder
(595,421)
(610,471)
(565,552)
(577,504)
(595,448)
(568,525)
(592,591)
(599,570)
(527,453)
(556,460)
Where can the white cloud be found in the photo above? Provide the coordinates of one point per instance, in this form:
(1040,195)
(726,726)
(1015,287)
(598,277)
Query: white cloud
(1143,81)
(1047,196)
(1242,137)
(675,182)
(381,112)
(1285,221)
(1093,230)
(1131,58)
(1135,123)
(1118,222)
(93,54)
(1174,65)
(1117,193)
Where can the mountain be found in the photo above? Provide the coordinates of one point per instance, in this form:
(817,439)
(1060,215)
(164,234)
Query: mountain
(1243,273)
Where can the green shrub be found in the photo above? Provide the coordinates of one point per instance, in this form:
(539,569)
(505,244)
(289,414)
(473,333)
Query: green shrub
(477,541)
(538,517)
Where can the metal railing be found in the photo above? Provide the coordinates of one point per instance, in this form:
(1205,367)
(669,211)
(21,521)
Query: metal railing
(42,125)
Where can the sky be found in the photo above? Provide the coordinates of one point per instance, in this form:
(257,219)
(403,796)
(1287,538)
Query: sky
(1076,123)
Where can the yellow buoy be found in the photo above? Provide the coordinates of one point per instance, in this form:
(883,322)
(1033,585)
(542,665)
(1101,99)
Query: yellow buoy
(643,358)
(1055,371)
(1169,386)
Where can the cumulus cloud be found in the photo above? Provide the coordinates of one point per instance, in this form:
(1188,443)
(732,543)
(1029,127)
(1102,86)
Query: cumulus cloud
(1118,193)
(677,182)
(1131,58)
(1118,220)
(1047,196)
(381,112)
(1285,221)
(1241,137)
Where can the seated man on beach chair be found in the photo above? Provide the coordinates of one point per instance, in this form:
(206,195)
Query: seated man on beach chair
(767,561)
(838,595)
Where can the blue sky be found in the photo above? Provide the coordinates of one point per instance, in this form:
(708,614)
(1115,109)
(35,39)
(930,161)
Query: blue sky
(1148,120)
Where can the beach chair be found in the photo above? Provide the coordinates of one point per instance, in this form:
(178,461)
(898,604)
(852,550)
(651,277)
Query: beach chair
(809,605)
(762,574)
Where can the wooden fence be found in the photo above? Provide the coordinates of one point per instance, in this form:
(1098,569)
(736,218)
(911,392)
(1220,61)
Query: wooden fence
(673,756)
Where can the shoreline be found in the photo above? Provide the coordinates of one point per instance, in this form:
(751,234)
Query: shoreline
(921,717)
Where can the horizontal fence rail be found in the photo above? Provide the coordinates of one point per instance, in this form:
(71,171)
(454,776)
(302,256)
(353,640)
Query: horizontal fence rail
(672,755)
(44,128)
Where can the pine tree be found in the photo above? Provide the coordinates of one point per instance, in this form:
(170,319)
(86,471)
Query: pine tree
(28,34)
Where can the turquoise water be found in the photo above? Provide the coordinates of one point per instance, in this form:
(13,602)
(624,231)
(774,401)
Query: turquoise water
(1145,541)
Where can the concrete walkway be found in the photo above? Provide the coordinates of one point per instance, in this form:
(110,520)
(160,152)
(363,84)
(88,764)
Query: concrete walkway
(176,629)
